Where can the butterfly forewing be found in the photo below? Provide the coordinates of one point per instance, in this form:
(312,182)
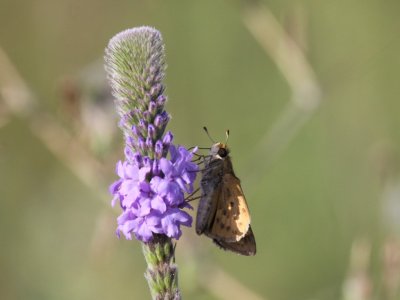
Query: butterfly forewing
(232,219)
(211,190)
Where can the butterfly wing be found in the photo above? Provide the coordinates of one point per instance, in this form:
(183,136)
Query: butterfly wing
(246,246)
(232,218)
(210,193)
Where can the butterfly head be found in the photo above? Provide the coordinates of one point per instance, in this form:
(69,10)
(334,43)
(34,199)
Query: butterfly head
(219,151)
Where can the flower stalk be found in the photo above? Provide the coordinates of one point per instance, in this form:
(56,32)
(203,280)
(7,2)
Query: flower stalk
(162,273)
(155,174)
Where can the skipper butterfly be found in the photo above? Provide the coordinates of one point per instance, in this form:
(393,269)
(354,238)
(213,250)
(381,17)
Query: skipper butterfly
(223,214)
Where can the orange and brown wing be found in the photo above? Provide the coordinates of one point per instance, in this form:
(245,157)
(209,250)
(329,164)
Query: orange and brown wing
(246,246)
(232,218)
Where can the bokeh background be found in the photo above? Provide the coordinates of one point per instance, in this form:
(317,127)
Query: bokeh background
(310,92)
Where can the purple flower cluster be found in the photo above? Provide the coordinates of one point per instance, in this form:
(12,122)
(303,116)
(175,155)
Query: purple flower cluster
(151,187)
(151,193)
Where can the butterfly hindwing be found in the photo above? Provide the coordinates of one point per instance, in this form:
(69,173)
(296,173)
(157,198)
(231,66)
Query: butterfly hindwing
(246,246)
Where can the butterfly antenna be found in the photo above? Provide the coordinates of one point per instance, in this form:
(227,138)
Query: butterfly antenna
(208,134)
(227,136)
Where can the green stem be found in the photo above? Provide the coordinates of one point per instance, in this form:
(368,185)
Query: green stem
(162,272)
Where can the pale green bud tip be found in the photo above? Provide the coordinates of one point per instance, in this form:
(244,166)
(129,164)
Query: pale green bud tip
(135,63)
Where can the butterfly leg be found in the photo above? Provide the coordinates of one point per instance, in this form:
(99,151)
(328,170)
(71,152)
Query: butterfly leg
(191,198)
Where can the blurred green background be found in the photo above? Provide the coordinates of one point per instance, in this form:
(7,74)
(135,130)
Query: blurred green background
(318,154)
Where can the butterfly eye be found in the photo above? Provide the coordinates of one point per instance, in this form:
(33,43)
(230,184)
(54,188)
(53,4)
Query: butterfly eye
(222,152)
